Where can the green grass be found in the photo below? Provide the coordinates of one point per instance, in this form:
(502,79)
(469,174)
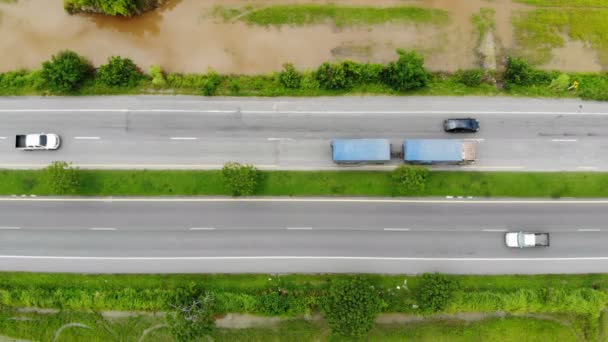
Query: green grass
(538,32)
(484,21)
(42,327)
(566,3)
(299,15)
(316,183)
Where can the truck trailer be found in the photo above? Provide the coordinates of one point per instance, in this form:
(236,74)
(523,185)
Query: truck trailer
(439,151)
(361,151)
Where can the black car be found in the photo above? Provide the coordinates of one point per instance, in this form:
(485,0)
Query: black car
(467,125)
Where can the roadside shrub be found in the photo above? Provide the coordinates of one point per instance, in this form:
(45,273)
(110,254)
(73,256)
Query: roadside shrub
(470,78)
(192,318)
(351,307)
(435,292)
(407,73)
(333,76)
(65,72)
(519,72)
(235,86)
(370,73)
(119,72)
(158,76)
(61,178)
(241,180)
(290,78)
(560,83)
(409,180)
(211,82)
(593,86)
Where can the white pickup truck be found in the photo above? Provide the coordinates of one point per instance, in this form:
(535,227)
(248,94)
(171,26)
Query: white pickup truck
(41,141)
(523,240)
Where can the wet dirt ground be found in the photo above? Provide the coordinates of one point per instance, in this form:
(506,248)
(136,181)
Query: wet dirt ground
(184,37)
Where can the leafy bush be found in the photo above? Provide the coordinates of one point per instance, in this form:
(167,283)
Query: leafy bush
(158,76)
(119,72)
(290,78)
(407,73)
(435,292)
(351,307)
(593,86)
(65,72)
(560,84)
(519,72)
(333,76)
(211,82)
(241,180)
(61,178)
(470,78)
(193,317)
(409,180)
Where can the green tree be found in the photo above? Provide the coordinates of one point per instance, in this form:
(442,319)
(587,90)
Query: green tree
(192,317)
(407,72)
(435,292)
(65,72)
(351,307)
(61,178)
(119,72)
(409,180)
(290,77)
(241,180)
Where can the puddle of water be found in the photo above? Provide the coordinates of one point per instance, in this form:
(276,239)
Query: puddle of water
(182,37)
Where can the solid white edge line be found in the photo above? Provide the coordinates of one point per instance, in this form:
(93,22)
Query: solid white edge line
(10,228)
(195,258)
(87,138)
(2,138)
(494,230)
(396,229)
(298,228)
(564,140)
(298,200)
(279,139)
(183,138)
(102,228)
(588,230)
(108,110)
(201,228)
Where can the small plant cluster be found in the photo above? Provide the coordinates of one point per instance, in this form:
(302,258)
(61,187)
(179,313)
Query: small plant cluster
(67,71)
(407,73)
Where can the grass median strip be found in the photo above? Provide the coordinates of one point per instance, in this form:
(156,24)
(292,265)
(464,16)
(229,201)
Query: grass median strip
(314,183)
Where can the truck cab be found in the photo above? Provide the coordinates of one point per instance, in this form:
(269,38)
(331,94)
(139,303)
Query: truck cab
(40,141)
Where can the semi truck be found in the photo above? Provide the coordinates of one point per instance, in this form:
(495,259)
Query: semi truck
(524,240)
(361,151)
(439,151)
(39,141)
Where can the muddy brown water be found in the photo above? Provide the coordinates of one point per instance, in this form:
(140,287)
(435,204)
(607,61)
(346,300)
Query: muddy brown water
(183,37)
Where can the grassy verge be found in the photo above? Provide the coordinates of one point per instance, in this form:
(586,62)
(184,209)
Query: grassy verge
(565,3)
(127,8)
(43,327)
(539,31)
(307,14)
(316,183)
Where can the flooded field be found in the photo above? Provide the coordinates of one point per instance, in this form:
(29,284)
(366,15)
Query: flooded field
(184,37)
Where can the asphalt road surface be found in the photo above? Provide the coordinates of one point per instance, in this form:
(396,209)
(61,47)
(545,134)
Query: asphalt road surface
(517,134)
(298,235)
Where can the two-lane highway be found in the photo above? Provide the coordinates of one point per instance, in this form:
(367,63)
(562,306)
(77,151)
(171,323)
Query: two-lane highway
(199,133)
(298,235)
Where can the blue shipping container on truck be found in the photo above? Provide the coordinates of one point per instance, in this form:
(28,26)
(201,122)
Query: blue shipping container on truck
(433,150)
(361,150)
